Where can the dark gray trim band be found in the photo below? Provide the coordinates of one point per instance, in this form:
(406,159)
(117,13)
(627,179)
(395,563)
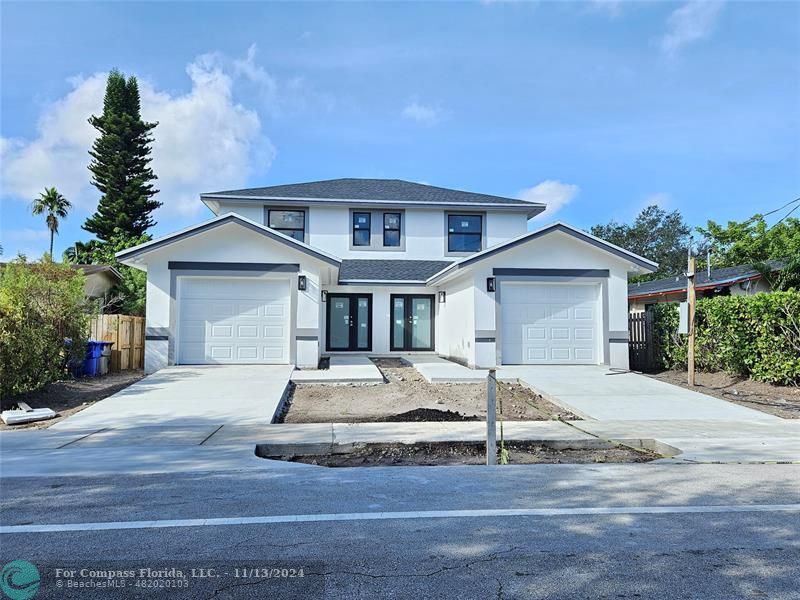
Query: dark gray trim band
(383,283)
(234,266)
(299,246)
(306,338)
(307,331)
(485,333)
(154,338)
(619,335)
(551,272)
(617,340)
(486,340)
(156,331)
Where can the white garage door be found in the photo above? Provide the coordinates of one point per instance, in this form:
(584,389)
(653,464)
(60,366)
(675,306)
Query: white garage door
(233,320)
(550,323)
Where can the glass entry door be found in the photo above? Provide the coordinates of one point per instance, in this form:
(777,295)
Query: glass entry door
(412,322)
(349,322)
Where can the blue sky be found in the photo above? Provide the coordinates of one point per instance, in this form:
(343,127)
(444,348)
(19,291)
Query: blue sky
(597,108)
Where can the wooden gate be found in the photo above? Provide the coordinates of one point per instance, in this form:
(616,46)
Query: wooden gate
(641,342)
(127,333)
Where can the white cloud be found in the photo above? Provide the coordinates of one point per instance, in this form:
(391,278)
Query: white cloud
(692,22)
(421,113)
(205,140)
(551,192)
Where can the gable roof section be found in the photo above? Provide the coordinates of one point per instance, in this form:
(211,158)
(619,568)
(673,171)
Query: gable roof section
(375,191)
(378,270)
(719,277)
(217,222)
(95,269)
(646,264)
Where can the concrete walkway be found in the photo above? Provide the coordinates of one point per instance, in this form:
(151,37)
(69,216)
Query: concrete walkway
(206,396)
(342,370)
(436,369)
(595,392)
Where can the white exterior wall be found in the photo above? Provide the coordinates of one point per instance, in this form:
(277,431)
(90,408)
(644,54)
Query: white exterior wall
(556,250)
(456,322)
(232,243)
(329,228)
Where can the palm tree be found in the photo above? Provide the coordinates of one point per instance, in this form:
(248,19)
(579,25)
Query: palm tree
(56,207)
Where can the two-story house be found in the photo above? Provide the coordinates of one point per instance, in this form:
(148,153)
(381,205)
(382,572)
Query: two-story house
(287,273)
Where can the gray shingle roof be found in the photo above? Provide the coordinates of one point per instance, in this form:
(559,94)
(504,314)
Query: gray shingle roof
(723,277)
(389,270)
(380,190)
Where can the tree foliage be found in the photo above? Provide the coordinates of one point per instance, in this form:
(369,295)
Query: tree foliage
(752,241)
(52,203)
(120,163)
(41,304)
(656,234)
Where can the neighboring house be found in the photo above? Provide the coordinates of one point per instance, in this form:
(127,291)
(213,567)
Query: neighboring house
(99,279)
(284,274)
(741,280)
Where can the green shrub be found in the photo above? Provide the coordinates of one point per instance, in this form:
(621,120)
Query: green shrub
(750,336)
(41,304)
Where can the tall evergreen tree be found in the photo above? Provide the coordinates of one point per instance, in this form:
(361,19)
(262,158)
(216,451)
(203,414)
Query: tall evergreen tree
(120,164)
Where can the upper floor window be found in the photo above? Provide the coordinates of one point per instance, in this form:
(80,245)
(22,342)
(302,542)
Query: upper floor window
(464,233)
(391,229)
(288,222)
(361,228)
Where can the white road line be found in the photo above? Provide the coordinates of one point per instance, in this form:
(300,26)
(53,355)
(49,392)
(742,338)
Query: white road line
(380,516)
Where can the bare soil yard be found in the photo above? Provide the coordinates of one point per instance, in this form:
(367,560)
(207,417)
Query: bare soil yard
(408,397)
(69,397)
(449,453)
(781,401)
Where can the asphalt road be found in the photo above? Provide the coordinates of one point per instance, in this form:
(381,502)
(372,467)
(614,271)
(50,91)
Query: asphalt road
(710,553)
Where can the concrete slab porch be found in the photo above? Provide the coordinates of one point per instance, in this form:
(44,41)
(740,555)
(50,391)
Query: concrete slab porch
(342,370)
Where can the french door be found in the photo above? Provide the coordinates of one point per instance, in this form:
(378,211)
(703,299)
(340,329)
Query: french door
(412,322)
(349,322)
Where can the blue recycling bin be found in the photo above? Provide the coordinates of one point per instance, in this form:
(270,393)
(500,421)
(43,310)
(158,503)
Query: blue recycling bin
(91,364)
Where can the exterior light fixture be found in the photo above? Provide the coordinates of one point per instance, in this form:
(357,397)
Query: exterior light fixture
(442,297)
(302,283)
(490,284)
(324,295)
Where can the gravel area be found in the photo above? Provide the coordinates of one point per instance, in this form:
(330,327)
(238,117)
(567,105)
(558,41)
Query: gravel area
(408,397)
(781,401)
(69,397)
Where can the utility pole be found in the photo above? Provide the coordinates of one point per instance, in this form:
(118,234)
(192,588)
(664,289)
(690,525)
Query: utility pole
(491,418)
(691,299)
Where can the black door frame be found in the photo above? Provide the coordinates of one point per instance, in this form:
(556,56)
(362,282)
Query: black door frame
(353,341)
(407,321)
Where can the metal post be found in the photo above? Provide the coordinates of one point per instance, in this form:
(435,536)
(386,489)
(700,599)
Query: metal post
(491,418)
(691,299)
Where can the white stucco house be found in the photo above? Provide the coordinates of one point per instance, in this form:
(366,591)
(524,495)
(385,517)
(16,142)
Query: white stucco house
(288,273)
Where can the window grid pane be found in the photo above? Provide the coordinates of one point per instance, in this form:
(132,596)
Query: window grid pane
(361,228)
(464,233)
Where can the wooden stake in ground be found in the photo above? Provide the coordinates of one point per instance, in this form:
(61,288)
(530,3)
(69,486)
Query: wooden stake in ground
(491,418)
(691,300)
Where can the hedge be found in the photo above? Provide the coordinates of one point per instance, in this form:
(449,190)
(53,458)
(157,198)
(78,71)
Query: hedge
(41,304)
(750,336)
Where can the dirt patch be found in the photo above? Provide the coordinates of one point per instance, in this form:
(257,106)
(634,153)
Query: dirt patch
(69,397)
(449,453)
(778,400)
(408,397)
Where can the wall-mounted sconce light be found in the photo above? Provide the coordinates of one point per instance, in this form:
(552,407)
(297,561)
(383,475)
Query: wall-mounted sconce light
(302,283)
(490,284)
(442,297)
(324,295)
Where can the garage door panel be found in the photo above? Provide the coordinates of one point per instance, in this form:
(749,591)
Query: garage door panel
(549,323)
(232,320)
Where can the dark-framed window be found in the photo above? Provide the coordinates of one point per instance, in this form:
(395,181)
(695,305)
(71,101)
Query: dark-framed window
(288,222)
(464,233)
(391,229)
(361,228)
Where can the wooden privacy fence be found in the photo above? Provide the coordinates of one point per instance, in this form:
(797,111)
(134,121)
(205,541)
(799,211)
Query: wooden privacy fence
(641,342)
(127,333)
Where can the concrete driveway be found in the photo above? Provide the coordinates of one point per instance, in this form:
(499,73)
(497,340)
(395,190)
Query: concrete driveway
(595,392)
(196,396)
